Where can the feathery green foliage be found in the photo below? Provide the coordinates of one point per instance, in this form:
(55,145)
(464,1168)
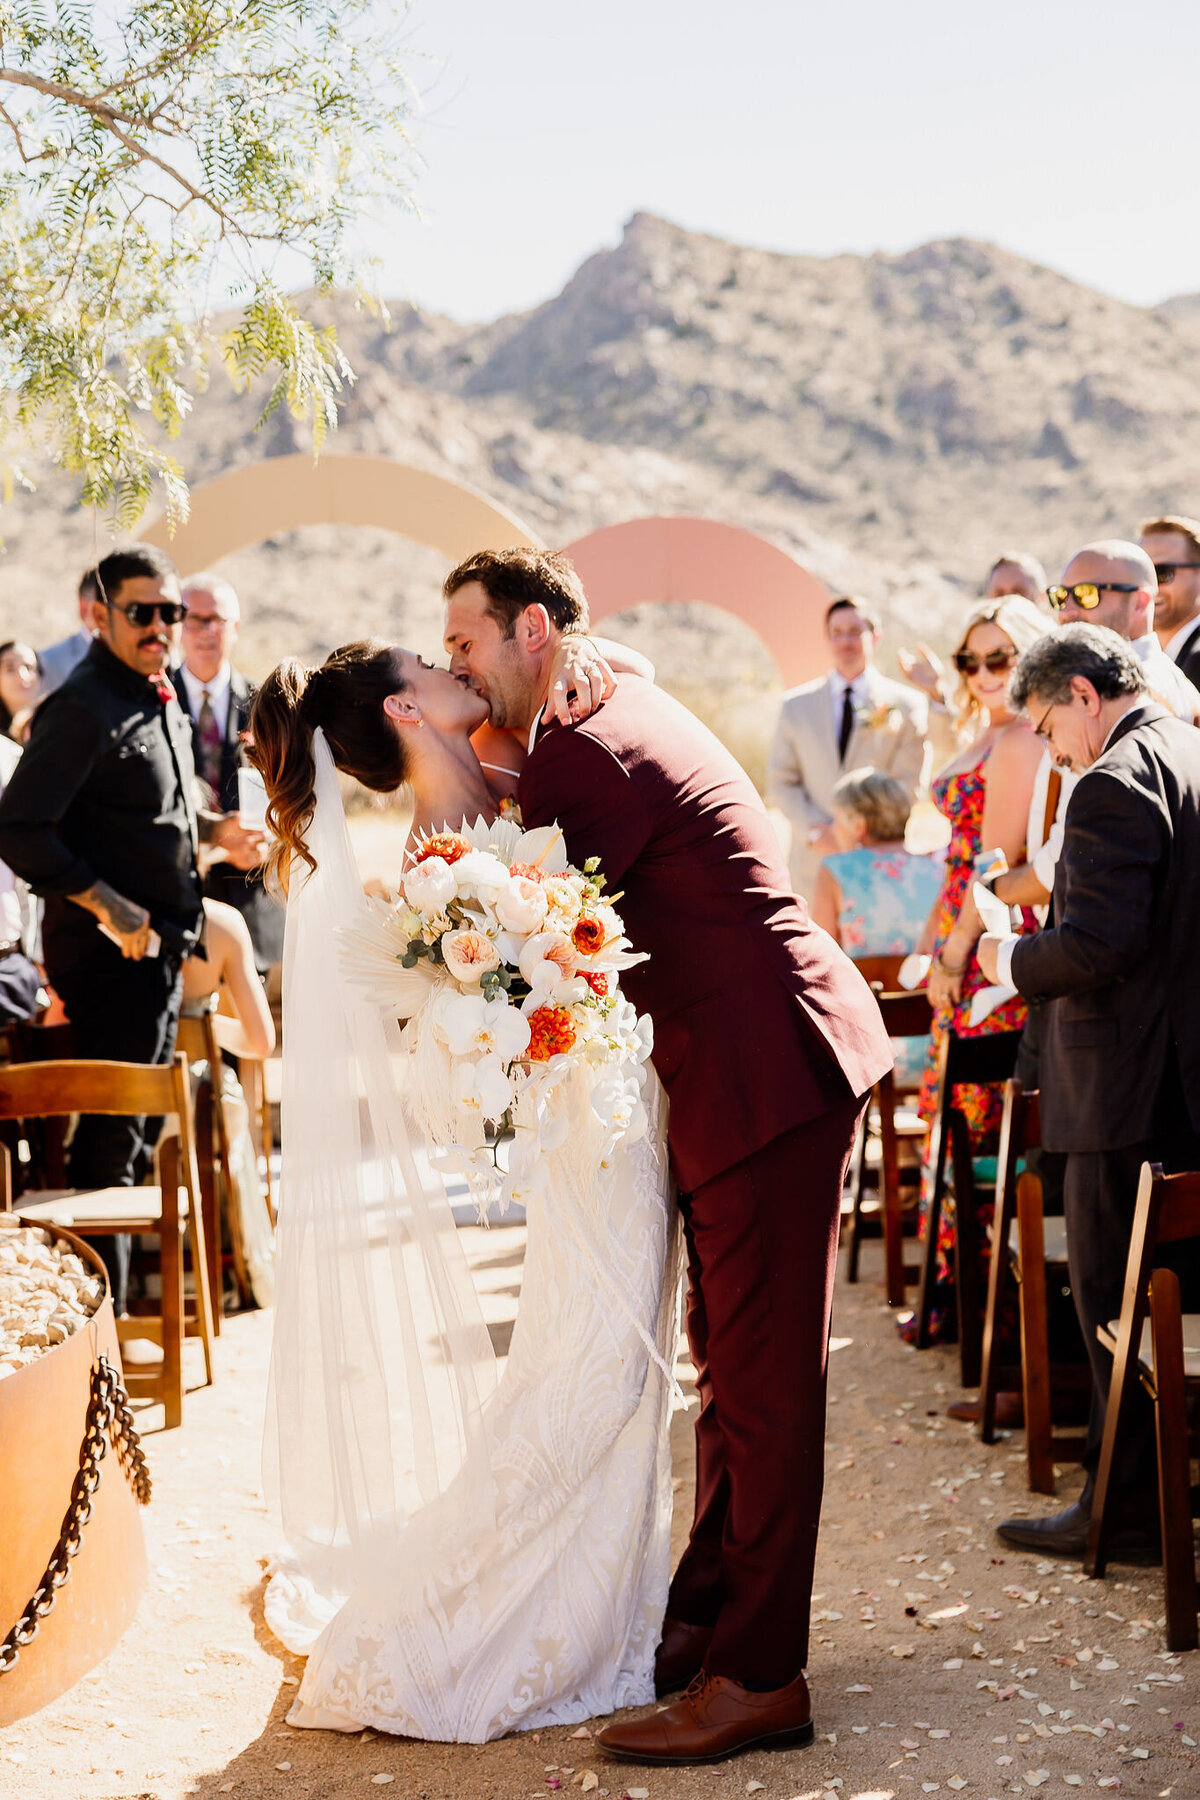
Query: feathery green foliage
(153,154)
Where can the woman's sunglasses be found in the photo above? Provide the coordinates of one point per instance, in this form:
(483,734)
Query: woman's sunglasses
(1086,594)
(141,613)
(995,662)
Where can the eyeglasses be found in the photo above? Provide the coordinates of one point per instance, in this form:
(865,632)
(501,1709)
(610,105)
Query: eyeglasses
(1040,730)
(205,621)
(1167,572)
(995,662)
(141,613)
(1086,594)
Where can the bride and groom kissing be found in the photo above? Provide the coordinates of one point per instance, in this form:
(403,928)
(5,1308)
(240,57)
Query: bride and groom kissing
(534,1590)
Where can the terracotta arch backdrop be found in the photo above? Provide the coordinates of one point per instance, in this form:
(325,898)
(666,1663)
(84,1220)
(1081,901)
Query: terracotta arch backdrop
(283,493)
(720,565)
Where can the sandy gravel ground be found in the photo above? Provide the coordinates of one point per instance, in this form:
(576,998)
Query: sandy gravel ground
(940,1664)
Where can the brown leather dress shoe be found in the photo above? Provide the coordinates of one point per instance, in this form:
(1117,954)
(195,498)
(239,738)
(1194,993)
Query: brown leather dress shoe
(715,1718)
(680,1655)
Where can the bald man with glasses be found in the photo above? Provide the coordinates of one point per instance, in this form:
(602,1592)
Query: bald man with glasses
(1113,583)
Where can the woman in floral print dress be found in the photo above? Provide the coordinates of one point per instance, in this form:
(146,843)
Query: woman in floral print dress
(985,793)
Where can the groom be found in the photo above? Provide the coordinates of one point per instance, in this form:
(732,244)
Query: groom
(767,1041)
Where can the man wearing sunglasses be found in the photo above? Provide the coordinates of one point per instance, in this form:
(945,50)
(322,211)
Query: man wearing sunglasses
(99,818)
(1113,583)
(1173,546)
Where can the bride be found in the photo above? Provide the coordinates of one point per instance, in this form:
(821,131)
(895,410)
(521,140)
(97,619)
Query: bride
(469,1551)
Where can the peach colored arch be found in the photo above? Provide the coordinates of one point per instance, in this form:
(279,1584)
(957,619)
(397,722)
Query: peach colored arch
(282,493)
(721,565)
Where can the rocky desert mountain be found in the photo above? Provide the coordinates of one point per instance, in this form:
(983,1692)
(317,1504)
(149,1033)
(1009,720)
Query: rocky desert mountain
(893,421)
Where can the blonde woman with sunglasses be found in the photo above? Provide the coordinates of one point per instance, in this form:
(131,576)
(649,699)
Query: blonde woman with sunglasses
(984,792)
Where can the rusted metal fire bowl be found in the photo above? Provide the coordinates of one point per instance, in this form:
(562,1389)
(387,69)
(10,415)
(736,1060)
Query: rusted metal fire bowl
(43,1413)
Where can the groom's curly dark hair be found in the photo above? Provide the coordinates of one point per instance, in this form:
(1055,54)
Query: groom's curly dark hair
(515,579)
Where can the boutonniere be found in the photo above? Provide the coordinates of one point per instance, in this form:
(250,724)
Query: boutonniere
(880,718)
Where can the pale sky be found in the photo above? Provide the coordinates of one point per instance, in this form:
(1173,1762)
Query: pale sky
(1063,131)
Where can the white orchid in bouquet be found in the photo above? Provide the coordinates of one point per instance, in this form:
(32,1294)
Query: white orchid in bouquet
(506,961)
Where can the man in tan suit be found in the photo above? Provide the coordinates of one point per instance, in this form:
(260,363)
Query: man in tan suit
(851,717)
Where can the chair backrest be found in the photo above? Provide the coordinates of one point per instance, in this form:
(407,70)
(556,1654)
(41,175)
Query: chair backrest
(1167,1209)
(905,1015)
(1020,1126)
(53,1090)
(992,1057)
(1178,1205)
(197,1038)
(882,969)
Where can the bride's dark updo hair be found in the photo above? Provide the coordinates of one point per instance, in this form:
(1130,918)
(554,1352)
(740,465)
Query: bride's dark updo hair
(345,697)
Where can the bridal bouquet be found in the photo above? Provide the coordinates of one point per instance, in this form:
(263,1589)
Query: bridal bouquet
(505,961)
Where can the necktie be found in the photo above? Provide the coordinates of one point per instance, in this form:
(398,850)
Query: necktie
(847,725)
(210,744)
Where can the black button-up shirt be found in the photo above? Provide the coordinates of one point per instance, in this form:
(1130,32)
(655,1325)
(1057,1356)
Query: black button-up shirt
(103,792)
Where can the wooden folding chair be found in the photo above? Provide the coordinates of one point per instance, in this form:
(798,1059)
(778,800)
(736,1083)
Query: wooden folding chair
(1161,1351)
(1171,1372)
(262,1086)
(169,1211)
(961,1061)
(1038,1255)
(1020,1130)
(198,1040)
(882,973)
(905,1015)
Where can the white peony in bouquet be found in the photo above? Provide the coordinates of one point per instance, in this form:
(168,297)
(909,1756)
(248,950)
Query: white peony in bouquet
(505,961)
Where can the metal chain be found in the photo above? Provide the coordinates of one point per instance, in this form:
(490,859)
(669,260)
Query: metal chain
(108,1416)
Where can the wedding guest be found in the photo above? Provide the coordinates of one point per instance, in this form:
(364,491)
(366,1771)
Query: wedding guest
(1016,572)
(852,716)
(1173,546)
(1013,572)
(98,818)
(873,895)
(984,793)
(1113,583)
(1097,586)
(57,660)
(1118,972)
(216,698)
(21,991)
(20,688)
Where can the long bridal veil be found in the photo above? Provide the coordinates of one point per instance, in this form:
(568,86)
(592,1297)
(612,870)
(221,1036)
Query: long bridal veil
(382,1362)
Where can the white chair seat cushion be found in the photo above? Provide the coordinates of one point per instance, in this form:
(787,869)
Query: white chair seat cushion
(1191,1345)
(130,1208)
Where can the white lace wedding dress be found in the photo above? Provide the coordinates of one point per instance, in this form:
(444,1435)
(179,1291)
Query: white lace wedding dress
(542,1603)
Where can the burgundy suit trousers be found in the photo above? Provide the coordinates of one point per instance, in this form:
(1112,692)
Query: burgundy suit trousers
(762,1249)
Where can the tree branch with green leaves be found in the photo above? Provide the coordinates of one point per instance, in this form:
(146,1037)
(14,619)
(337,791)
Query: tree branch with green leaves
(156,158)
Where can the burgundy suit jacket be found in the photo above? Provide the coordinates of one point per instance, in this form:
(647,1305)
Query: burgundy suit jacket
(760,1022)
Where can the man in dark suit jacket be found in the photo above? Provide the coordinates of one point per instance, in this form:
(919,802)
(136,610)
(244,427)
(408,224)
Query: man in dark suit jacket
(1173,546)
(1120,1050)
(767,1041)
(216,698)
